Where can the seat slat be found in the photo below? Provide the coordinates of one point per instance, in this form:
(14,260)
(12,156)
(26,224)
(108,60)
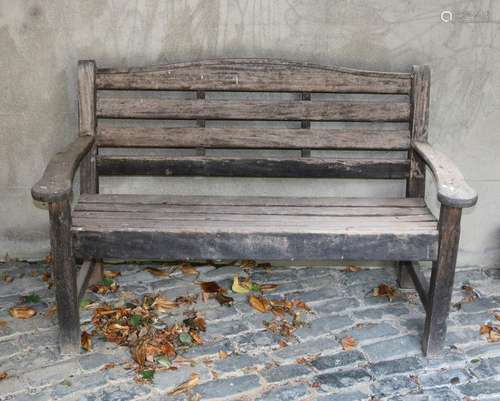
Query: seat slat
(124,199)
(249,167)
(253,75)
(253,138)
(159,108)
(252,210)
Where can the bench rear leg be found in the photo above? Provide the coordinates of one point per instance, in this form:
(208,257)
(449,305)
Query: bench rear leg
(441,284)
(64,273)
(404,280)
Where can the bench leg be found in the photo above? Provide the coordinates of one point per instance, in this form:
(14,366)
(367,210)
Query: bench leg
(441,284)
(405,282)
(65,273)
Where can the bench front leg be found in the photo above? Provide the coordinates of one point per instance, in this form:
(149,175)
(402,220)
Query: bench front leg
(64,274)
(442,277)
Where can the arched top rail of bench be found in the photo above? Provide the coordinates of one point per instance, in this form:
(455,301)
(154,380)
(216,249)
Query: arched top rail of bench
(269,75)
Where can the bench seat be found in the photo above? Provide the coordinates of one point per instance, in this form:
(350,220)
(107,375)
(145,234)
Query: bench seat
(219,227)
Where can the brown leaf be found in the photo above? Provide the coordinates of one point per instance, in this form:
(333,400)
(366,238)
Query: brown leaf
(109,365)
(187,385)
(497,317)
(188,269)
(48,259)
(485,329)
(259,303)
(162,304)
(86,341)
(224,300)
(352,269)
(8,278)
(248,264)
(46,276)
(210,286)
(3,375)
(223,354)
(111,274)
(267,287)
(297,303)
(22,312)
(348,343)
(51,310)
(494,336)
(384,290)
(282,343)
(157,272)
(3,323)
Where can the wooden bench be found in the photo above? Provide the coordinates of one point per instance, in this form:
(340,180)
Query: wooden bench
(392,116)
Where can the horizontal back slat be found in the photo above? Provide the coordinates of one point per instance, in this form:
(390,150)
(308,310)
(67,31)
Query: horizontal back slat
(157,108)
(251,167)
(280,138)
(253,75)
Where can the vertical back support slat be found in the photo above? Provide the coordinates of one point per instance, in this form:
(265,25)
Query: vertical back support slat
(87,124)
(305,124)
(200,123)
(415,187)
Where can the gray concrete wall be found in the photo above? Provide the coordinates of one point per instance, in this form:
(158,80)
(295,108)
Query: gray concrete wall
(41,42)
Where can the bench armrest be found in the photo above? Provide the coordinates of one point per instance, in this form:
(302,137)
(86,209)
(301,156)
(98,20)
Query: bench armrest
(452,189)
(57,181)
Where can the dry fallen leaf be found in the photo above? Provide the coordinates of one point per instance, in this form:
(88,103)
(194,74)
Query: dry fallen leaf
(485,329)
(109,365)
(48,259)
(3,323)
(237,287)
(8,278)
(51,310)
(348,343)
(3,375)
(86,341)
(210,286)
(156,272)
(111,274)
(259,303)
(188,269)
(248,264)
(162,304)
(282,343)
(187,385)
(223,354)
(22,312)
(384,290)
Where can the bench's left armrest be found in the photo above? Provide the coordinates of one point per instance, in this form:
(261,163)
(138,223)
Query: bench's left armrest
(56,183)
(452,189)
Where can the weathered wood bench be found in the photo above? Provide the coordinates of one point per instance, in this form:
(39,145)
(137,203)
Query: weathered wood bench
(392,116)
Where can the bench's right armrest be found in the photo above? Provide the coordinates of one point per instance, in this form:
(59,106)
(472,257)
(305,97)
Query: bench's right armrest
(56,183)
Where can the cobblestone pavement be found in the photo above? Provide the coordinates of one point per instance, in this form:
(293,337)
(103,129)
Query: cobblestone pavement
(387,364)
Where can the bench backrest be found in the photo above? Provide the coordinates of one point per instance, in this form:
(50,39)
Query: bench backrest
(252,104)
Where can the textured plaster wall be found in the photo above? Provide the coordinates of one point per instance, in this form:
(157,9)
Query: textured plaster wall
(41,41)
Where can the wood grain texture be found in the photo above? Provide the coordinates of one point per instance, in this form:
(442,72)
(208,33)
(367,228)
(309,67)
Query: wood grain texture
(442,278)
(237,201)
(279,110)
(420,97)
(87,123)
(250,167)
(253,138)
(452,188)
(64,273)
(84,275)
(253,75)
(56,183)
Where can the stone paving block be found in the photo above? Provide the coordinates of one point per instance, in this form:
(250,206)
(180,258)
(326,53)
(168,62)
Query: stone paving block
(312,347)
(79,383)
(393,348)
(486,367)
(120,392)
(472,319)
(485,349)
(315,295)
(403,365)
(370,331)
(236,362)
(350,396)
(442,394)
(96,360)
(323,325)
(342,379)
(167,380)
(381,312)
(224,328)
(462,336)
(210,349)
(286,393)
(225,272)
(480,305)
(338,360)
(52,373)
(284,372)
(483,387)
(220,313)
(335,305)
(256,340)
(43,395)
(444,377)
(391,385)
(217,389)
